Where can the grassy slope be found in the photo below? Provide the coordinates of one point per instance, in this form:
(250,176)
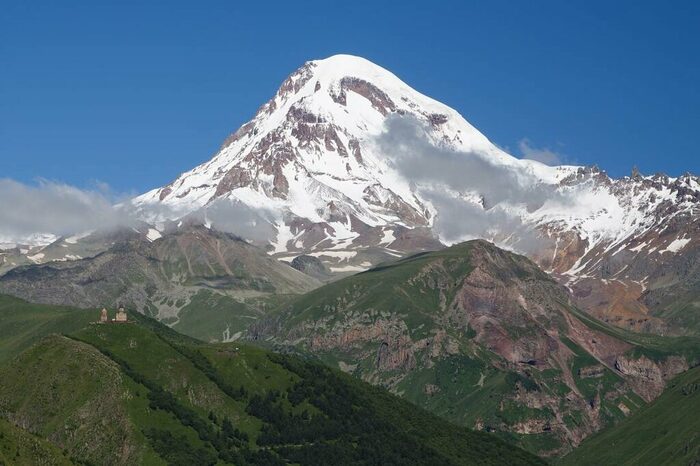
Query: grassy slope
(21,448)
(209,314)
(666,431)
(94,393)
(377,287)
(23,323)
(464,395)
(683,312)
(68,392)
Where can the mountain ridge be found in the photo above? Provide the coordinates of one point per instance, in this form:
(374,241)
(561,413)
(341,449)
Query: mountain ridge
(194,278)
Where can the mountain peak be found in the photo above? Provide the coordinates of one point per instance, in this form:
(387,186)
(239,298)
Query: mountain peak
(309,156)
(341,65)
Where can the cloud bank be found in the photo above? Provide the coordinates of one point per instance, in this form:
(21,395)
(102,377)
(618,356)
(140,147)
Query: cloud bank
(237,218)
(474,197)
(56,209)
(53,208)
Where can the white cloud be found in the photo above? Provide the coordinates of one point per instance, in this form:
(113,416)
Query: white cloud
(450,180)
(53,208)
(544,155)
(38,213)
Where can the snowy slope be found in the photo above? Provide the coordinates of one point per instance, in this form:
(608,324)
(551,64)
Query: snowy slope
(310,153)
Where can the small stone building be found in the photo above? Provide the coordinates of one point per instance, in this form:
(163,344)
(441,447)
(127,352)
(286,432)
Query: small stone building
(121,315)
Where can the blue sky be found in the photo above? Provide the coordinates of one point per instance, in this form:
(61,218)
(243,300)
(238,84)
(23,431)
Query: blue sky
(132,93)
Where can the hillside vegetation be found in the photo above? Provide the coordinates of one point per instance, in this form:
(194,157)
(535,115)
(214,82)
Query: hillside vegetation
(140,393)
(666,432)
(20,448)
(23,323)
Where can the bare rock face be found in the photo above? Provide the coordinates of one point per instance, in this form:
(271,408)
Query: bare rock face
(377,98)
(648,377)
(311,266)
(396,355)
(233,179)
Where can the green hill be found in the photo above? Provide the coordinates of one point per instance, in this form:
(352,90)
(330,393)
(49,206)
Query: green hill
(140,393)
(20,448)
(666,432)
(23,323)
(485,338)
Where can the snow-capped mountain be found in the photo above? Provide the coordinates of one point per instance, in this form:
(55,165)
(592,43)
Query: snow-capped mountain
(310,159)
(312,163)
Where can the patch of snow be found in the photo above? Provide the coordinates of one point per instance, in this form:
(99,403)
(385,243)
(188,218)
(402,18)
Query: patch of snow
(348,268)
(227,337)
(638,248)
(153,234)
(676,245)
(284,235)
(342,255)
(75,238)
(387,236)
(36,257)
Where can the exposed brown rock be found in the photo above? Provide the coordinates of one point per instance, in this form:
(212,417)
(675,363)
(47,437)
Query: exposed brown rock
(437,119)
(378,98)
(647,378)
(237,177)
(355,149)
(165,192)
(431,389)
(241,132)
(296,80)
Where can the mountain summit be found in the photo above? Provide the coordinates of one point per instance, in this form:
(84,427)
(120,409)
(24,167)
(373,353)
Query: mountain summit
(312,158)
